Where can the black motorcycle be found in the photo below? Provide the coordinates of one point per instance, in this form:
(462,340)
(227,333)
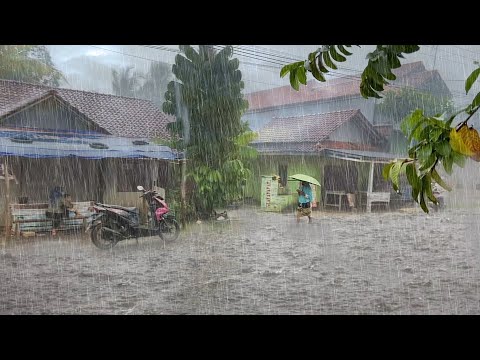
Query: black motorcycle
(111,223)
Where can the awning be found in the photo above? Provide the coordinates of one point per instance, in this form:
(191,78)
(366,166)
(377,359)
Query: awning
(88,145)
(360,155)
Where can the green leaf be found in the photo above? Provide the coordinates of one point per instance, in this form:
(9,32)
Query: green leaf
(377,86)
(321,67)
(412,176)
(422,203)
(428,163)
(415,192)
(410,122)
(343,50)
(285,70)
(336,56)
(366,91)
(408,49)
(386,170)
(458,159)
(370,74)
(302,75)
(471,79)
(427,131)
(416,189)
(476,101)
(394,174)
(448,163)
(328,62)
(439,181)
(443,148)
(435,134)
(294,79)
(424,151)
(315,71)
(427,186)
(450,120)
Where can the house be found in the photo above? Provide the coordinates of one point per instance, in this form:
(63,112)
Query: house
(24,105)
(336,94)
(342,149)
(334,130)
(98,146)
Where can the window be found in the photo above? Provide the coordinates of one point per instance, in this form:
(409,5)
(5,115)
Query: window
(282,172)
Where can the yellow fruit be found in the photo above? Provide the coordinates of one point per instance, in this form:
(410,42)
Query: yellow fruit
(466,141)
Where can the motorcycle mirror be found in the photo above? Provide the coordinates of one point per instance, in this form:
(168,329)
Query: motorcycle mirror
(140,188)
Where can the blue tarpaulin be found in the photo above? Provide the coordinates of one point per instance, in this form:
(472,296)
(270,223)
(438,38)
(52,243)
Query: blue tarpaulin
(88,145)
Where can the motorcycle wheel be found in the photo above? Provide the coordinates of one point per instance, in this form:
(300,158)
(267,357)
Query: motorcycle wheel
(99,240)
(169,229)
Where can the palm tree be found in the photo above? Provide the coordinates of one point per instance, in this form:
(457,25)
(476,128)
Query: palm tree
(156,82)
(29,63)
(125,82)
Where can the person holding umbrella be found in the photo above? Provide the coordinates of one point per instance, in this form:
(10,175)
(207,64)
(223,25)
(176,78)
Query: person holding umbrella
(305,198)
(305,195)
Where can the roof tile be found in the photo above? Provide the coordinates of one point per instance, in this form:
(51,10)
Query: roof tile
(120,116)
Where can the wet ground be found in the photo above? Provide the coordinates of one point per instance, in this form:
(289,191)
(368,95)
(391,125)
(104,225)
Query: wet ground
(402,262)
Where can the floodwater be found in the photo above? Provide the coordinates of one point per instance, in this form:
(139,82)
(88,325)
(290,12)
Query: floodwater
(399,262)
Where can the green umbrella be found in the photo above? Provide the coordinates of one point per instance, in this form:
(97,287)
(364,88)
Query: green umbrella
(303,177)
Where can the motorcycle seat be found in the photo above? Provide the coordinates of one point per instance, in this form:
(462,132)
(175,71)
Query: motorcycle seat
(126,208)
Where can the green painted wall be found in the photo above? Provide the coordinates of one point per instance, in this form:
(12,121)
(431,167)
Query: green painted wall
(269,165)
(310,165)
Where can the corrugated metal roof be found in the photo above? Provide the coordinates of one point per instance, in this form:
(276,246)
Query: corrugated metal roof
(360,155)
(44,144)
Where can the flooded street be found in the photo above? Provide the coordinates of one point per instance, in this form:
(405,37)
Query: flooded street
(400,262)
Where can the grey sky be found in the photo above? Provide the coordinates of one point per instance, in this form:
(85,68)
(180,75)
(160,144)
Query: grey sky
(88,67)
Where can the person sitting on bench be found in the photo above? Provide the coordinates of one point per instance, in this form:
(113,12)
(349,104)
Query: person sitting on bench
(61,207)
(68,210)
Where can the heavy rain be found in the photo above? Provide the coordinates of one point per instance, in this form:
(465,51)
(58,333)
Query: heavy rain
(239,179)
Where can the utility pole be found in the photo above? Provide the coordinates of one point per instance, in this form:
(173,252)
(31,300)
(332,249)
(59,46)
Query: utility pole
(7,201)
(182,112)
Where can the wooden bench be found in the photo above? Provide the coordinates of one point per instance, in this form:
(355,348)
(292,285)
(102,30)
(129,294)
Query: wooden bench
(33,218)
(366,199)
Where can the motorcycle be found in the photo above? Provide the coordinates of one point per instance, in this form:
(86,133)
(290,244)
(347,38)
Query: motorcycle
(111,223)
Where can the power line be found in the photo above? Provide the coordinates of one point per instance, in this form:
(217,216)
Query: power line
(332,73)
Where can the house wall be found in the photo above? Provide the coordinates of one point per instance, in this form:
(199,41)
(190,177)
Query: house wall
(313,165)
(37,177)
(13,187)
(398,144)
(269,165)
(350,132)
(257,119)
(48,114)
(465,184)
(148,173)
(85,180)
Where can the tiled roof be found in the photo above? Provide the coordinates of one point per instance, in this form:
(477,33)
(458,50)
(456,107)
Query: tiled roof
(327,144)
(314,127)
(430,80)
(313,91)
(120,116)
(409,68)
(299,147)
(384,129)
(412,74)
(303,133)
